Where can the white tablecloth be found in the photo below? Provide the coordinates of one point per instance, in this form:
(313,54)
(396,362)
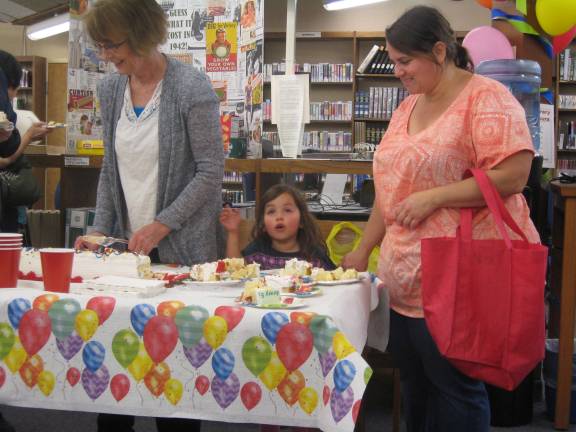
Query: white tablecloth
(218,361)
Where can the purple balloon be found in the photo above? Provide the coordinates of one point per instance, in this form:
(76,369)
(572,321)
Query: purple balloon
(225,391)
(327,361)
(95,383)
(198,354)
(340,403)
(70,346)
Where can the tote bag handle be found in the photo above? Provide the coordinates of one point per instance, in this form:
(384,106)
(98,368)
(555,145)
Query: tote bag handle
(497,208)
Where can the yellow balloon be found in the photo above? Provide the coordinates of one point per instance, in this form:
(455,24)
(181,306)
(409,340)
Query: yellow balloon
(215,331)
(16,357)
(86,324)
(141,364)
(556,17)
(173,390)
(341,346)
(308,399)
(274,372)
(46,382)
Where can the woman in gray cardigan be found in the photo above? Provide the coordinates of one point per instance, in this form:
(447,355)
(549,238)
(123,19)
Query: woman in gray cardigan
(161,179)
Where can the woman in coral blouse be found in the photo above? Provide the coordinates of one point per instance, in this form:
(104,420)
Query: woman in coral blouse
(453,120)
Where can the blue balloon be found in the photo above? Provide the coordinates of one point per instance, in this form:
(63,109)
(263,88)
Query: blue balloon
(272,322)
(16,310)
(344,374)
(140,315)
(93,355)
(223,363)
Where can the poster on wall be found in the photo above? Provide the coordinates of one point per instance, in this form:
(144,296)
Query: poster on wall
(223,38)
(221,47)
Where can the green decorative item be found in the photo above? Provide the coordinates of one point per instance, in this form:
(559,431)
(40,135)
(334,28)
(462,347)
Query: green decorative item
(63,315)
(6,339)
(367,374)
(125,346)
(323,329)
(190,323)
(256,354)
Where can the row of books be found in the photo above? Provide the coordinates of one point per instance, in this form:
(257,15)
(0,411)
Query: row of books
(317,141)
(378,102)
(567,69)
(319,72)
(567,102)
(232,177)
(232,196)
(368,134)
(567,135)
(326,110)
(566,164)
(376,61)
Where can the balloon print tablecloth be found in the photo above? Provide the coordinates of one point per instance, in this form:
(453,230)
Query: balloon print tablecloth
(188,353)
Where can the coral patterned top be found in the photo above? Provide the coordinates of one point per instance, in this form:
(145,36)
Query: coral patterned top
(483,126)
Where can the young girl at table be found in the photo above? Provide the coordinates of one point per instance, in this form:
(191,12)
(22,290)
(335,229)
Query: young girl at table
(284,230)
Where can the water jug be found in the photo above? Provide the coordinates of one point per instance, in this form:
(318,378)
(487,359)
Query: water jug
(522,77)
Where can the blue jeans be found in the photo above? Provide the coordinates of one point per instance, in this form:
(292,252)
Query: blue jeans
(436,396)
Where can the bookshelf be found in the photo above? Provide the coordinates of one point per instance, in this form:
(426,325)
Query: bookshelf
(565,103)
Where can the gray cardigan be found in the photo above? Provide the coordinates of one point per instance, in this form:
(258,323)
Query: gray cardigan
(190,165)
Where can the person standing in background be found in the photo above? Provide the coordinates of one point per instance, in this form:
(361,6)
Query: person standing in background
(453,120)
(18,184)
(161,178)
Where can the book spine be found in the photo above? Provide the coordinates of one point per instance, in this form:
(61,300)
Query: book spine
(369,57)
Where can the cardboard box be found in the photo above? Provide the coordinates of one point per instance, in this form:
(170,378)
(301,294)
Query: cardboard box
(90,147)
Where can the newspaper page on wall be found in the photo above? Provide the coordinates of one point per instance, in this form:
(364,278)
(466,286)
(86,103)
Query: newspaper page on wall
(223,38)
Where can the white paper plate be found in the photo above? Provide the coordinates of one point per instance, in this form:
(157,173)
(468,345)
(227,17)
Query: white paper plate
(296,304)
(338,282)
(312,293)
(214,283)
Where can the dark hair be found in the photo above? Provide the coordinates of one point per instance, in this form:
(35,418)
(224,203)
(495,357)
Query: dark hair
(142,23)
(418,30)
(309,237)
(11,68)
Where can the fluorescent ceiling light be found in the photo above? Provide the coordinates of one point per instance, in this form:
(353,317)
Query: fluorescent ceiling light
(332,5)
(50,27)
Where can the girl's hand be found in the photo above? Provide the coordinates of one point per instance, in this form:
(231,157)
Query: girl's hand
(357,259)
(414,209)
(230,219)
(148,237)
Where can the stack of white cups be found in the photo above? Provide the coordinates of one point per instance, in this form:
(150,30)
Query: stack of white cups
(10,249)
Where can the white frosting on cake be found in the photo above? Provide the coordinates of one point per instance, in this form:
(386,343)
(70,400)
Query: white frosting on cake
(296,267)
(268,296)
(121,285)
(90,265)
(3,117)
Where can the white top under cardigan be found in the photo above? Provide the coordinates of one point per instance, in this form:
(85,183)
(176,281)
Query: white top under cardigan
(137,152)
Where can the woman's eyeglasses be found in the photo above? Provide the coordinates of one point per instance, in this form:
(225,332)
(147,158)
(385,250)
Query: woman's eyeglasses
(108,46)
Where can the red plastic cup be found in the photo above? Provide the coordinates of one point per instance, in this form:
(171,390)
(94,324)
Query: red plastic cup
(9,265)
(10,245)
(57,268)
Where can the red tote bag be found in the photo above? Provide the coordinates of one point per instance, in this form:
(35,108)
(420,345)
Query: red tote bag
(484,299)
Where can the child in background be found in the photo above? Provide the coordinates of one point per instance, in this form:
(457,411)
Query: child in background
(284,230)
